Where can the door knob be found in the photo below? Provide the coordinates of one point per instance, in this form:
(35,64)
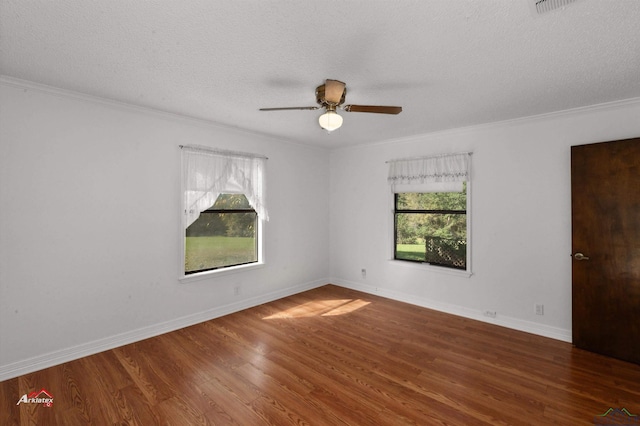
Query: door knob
(580,256)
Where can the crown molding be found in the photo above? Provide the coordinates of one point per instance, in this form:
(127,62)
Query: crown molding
(571,112)
(112,103)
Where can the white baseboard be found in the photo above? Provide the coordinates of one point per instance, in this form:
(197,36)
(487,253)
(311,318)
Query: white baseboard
(509,322)
(50,359)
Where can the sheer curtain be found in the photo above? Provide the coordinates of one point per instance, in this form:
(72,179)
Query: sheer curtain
(426,174)
(208,173)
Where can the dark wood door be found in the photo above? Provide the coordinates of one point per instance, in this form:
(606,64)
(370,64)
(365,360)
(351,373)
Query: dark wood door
(605,204)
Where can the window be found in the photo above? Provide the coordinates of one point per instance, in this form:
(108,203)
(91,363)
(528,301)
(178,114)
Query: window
(224,235)
(223,209)
(431,228)
(430,205)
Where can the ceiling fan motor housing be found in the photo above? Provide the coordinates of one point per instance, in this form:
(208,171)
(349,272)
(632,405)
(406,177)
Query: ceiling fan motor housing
(321,100)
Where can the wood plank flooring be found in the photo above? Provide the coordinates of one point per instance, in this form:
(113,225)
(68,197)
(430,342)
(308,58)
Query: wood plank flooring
(332,356)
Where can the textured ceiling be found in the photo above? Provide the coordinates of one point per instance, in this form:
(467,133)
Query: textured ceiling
(448,63)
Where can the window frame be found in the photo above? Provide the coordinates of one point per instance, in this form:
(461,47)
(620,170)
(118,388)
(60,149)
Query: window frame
(232,185)
(229,211)
(423,265)
(228,270)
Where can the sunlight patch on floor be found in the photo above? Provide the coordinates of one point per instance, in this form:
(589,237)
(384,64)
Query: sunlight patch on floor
(351,306)
(321,308)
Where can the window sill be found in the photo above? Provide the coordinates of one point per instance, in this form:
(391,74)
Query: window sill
(185,279)
(431,268)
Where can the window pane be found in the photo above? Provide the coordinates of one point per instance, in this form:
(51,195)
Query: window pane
(439,239)
(432,200)
(216,240)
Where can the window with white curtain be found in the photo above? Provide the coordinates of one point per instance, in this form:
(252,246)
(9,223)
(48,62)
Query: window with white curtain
(431,210)
(223,200)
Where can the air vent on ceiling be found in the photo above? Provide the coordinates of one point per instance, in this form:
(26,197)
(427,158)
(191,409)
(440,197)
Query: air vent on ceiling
(544,6)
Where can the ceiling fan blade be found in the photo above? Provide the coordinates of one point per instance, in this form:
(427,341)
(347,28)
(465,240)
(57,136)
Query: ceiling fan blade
(288,108)
(333,90)
(378,109)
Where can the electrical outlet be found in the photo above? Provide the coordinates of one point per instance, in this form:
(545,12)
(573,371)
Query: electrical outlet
(539,309)
(490,314)
(364,273)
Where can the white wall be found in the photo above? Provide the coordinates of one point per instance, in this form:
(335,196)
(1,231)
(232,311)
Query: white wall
(89,222)
(89,225)
(521,218)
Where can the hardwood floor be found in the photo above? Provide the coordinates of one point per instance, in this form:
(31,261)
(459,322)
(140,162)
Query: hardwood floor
(332,356)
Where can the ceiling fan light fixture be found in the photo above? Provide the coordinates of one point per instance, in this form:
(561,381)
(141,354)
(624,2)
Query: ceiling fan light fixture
(330,121)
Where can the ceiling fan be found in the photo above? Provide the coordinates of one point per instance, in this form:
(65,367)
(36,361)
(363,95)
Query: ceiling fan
(330,96)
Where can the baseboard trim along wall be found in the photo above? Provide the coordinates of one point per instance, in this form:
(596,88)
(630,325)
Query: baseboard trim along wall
(40,362)
(509,322)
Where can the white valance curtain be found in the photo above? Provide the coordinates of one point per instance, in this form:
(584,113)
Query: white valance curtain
(435,173)
(207,173)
